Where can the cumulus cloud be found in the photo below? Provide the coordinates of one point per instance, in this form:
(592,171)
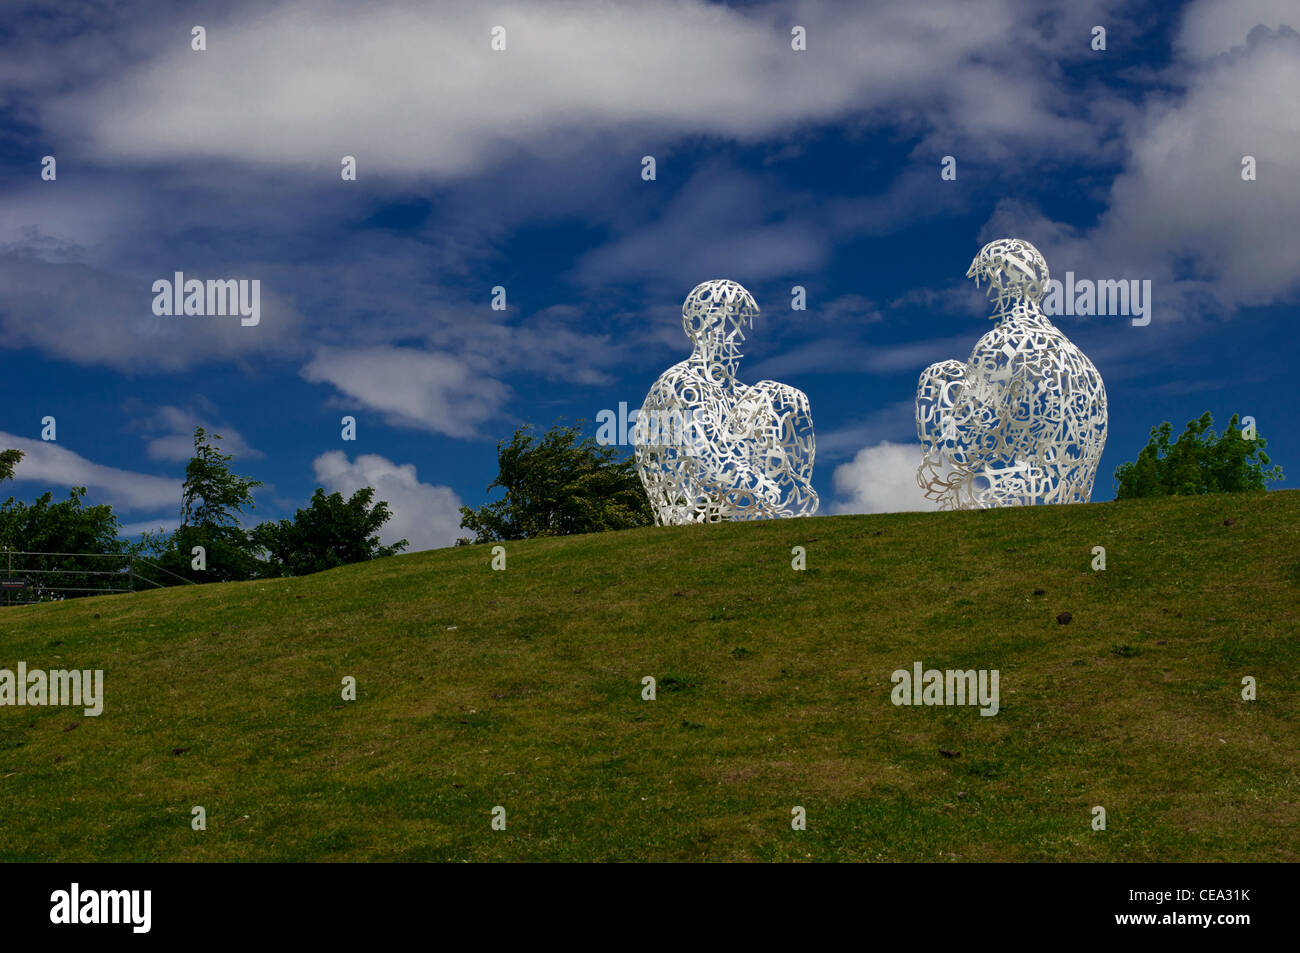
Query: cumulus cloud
(1209,28)
(50,465)
(425,515)
(1180,212)
(880,479)
(1182,194)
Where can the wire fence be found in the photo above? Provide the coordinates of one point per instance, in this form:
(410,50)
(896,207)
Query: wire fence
(31,577)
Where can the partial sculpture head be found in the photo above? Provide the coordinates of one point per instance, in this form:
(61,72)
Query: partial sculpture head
(1014,269)
(716,315)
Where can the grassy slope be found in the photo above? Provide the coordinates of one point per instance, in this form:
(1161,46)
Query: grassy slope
(773,692)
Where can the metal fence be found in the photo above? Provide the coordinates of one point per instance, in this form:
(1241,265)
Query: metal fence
(31,577)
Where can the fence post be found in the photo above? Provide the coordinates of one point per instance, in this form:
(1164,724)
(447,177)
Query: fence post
(131,574)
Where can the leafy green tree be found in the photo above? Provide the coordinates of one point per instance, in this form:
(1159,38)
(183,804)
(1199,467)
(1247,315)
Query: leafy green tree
(330,532)
(213,497)
(212,501)
(1200,461)
(8,460)
(59,533)
(556,486)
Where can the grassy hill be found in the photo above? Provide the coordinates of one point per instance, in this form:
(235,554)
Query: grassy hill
(522,688)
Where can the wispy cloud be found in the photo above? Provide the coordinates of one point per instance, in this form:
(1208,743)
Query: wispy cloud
(894,422)
(412,388)
(298,83)
(171,433)
(50,465)
(841,354)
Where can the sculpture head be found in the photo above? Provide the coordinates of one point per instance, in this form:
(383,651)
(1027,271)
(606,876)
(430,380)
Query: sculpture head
(716,315)
(1014,269)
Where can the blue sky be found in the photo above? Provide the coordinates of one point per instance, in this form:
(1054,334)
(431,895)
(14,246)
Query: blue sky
(522,168)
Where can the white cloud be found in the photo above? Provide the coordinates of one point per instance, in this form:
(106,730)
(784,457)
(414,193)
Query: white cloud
(1182,193)
(880,479)
(1211,26)
(283,91)
(1180,213)
(49,464)
(425,515)
(177,443)
(425,389)
(295,83)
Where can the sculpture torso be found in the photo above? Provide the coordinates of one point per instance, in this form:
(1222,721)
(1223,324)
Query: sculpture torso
(1023,421)
(710,448)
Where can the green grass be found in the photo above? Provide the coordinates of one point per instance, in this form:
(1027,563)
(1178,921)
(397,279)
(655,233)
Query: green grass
(523,689)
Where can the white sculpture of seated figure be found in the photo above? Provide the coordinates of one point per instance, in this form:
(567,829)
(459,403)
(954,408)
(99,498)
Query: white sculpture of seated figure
(709,448)
(1023,421)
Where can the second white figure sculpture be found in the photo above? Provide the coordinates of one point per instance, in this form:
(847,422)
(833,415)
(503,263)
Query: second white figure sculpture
(1024,420)
(708,447)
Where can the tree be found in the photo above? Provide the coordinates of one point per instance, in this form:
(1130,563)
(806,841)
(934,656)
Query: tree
(556,486)
(330,532)
(1200,461)
(59,542)
(213,497)
(212,502)
(8,460)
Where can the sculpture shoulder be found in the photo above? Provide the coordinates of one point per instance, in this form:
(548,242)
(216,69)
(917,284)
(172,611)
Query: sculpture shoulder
(1024,337)
(780,393)
(678,380)
(1030,349)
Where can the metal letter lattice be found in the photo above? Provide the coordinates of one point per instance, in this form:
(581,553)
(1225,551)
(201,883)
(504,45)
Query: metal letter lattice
(1024,420)
(709,448)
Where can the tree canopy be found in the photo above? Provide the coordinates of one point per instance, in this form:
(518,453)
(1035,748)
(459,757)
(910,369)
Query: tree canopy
(558,485)
(58,543)
(213,499)
(8,460)
(1199,461)
(330,532)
